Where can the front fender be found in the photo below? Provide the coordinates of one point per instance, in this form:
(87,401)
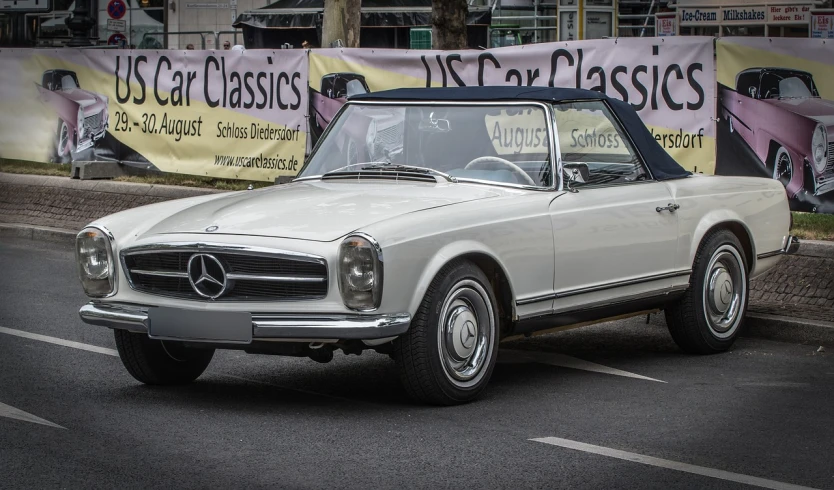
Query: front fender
(447,254)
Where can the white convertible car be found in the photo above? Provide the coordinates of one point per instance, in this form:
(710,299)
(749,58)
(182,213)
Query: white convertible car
(484,213)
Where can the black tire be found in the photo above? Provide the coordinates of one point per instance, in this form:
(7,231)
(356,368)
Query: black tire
(696,321)
(435,364)
(155,362)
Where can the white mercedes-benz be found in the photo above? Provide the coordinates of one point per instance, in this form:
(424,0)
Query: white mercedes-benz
(430,224)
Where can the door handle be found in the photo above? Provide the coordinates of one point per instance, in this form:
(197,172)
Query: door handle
(671,208)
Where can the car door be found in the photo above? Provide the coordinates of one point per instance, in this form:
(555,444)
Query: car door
(616,235)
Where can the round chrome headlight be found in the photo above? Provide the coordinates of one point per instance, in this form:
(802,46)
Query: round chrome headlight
(96,267)
(360,273)
(819,147)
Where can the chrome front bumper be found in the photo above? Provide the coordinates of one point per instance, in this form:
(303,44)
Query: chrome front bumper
(266,326)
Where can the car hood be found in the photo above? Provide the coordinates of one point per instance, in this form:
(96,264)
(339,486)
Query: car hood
(820,110)
(313,210)
(82,97)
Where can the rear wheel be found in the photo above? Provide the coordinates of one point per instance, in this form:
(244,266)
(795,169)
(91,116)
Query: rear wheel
(448,353)
(158,362)
(709,316)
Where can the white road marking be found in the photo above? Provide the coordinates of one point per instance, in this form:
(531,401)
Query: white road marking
(57,341)
(561,360)
(671,465)
(11,412)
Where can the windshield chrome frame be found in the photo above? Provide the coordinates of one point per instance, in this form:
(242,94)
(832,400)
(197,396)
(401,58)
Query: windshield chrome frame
(554,151)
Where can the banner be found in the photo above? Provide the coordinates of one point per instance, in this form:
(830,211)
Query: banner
(230,114)
(776,111)
(668,81)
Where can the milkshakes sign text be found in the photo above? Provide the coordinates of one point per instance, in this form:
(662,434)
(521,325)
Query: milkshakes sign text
(754,15)
(726,15)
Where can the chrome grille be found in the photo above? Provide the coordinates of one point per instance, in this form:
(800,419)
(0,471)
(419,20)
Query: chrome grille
(250,276)
(830,166)
(93,122)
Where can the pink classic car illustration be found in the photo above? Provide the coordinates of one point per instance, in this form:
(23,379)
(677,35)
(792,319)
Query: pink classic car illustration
(82,115)
(778,112)
(335,89)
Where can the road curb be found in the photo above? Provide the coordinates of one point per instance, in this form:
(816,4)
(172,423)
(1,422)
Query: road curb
(37,233)
(782,328)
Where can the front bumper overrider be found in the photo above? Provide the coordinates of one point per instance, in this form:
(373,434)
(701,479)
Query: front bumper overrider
(266,326)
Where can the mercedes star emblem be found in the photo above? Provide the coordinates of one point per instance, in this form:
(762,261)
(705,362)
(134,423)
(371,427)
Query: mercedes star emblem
(212,228)
(206,275)
(467,334)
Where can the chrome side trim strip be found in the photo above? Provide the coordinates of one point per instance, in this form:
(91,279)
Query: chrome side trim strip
(159,273)
(266,326)
(635,297)
(627,282)
(258,277)
(601,287)
(790,245)
(535,299)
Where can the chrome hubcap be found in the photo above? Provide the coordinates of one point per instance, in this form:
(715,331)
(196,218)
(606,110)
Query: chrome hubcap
(64,139)
(783,170)
(725,291)
(466,332)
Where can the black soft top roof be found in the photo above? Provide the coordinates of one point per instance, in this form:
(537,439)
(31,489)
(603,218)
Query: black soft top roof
(661,164)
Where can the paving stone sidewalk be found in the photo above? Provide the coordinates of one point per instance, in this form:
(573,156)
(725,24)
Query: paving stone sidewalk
(61,202)
(801,286)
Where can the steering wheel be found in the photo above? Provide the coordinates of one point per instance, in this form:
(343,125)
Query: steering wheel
(515,169)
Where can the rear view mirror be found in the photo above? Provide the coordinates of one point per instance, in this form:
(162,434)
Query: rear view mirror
(434,125)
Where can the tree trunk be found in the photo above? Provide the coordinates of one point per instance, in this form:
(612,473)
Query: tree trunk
(448,18)
(342,19)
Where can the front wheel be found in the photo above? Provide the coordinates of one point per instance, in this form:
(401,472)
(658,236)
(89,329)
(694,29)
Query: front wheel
(158,362)
(709,316)
(448,353)
(783,166)
(63,145)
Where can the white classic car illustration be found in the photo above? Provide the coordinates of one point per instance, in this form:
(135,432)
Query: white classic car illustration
(503,211)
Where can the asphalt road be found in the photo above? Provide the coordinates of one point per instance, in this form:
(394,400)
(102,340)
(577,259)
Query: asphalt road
(762,410)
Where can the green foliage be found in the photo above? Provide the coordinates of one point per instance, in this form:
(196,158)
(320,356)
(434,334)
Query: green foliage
(813,226)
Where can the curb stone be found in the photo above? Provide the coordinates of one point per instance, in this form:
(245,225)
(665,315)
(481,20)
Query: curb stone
(776,327)
(758,325)
(37,233)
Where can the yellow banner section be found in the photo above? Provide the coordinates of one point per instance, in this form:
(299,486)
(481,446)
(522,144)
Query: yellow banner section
(732,58)
(240,116)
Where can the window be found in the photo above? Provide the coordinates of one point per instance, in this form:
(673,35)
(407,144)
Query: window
(595,149)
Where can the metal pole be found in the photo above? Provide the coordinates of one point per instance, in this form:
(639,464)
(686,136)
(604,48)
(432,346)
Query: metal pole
(646,22)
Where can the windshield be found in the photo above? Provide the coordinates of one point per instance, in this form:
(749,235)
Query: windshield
(497,143)
(68,82)
(787,84)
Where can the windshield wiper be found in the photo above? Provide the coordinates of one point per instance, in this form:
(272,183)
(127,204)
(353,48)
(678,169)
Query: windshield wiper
(393,167)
